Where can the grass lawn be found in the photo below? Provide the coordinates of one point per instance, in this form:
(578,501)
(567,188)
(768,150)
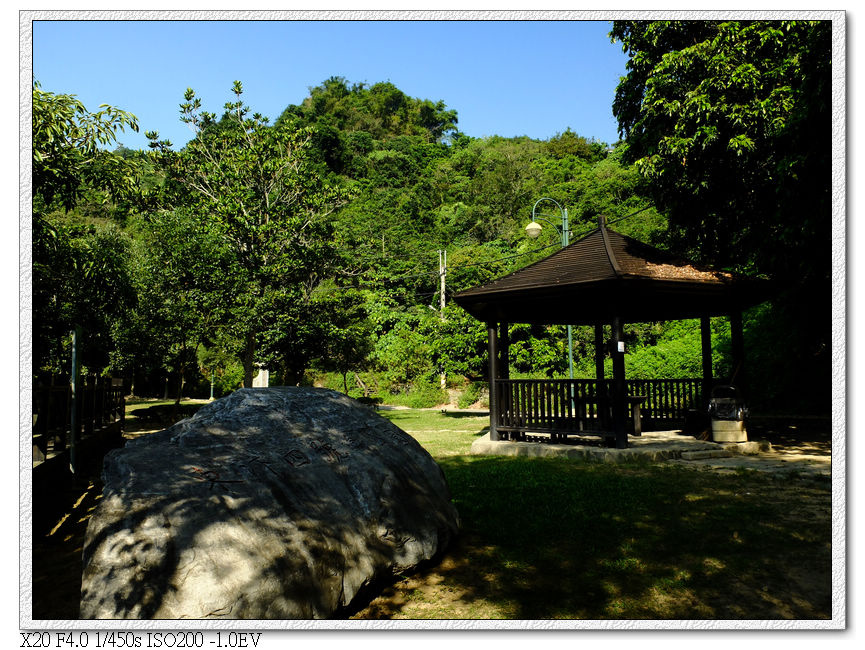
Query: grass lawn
(546,538)
(443,435)
(558,538)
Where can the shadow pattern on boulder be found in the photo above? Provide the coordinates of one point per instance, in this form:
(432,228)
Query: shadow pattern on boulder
(271,503)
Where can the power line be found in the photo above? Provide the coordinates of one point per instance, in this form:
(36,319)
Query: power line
(502,259)
(630,215)
(467,265)
(429,274)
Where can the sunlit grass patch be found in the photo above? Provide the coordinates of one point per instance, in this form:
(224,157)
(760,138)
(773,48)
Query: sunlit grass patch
(440,434)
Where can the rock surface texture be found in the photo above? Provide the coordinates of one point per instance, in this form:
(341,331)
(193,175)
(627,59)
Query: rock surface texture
(270,503)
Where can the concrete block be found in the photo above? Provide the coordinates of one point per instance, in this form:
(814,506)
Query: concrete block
(706,453)
(729,431)
(749,447)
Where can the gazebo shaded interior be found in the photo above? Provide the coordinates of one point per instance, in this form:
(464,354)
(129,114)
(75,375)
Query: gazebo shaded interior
(604,278)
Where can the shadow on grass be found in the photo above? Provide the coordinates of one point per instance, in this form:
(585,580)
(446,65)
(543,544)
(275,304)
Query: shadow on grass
(551,538)
(462,414)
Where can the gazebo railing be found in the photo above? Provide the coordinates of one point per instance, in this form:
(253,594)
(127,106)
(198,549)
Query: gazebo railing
(550,404)
(667,399)
(562,406)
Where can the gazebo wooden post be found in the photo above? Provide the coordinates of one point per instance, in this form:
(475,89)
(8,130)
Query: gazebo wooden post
(492,336)
(599,352)
(503,396)
(619,397)
(706,346)
(504,354)
(737,343)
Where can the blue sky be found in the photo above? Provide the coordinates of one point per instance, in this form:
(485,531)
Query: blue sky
(507,78)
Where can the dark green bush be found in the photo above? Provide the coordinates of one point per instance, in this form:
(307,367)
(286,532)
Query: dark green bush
(470,395)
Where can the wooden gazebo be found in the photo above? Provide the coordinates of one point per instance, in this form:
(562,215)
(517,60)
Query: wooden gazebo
(604,278)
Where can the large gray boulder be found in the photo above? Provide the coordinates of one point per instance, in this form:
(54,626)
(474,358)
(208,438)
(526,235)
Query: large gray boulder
(269,503)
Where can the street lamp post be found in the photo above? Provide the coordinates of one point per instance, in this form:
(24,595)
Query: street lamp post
(533,230)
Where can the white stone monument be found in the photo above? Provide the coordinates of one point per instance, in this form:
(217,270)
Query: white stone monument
(262,379)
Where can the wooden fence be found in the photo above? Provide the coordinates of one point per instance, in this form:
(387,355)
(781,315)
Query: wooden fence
(667,401)
(550,405)
(99,407)
(562,406)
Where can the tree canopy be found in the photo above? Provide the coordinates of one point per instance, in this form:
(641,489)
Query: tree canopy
(381,110)
(68,153)
(79,270)
(310,246)
(731,123)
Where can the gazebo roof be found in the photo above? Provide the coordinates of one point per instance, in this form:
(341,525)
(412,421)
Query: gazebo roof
(605,275)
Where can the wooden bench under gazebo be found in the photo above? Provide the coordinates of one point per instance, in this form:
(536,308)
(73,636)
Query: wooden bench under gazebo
(604,278)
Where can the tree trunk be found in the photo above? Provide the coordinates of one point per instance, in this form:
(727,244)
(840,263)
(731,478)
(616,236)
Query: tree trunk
(248,360)
(175,409)
(292,377)
(181,381)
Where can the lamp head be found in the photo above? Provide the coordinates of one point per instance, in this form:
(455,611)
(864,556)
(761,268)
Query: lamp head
(533,230)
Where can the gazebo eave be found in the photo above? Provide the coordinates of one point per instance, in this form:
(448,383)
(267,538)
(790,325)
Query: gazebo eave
(632,300)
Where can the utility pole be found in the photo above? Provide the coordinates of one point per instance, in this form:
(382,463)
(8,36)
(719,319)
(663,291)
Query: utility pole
(533,230)
(443,264)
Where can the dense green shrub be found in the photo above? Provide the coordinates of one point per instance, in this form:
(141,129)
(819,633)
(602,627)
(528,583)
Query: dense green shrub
(419,395)
(470,395)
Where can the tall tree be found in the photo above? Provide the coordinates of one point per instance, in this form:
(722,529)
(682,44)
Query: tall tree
(254,184)
(186,283)
(731,122)
(69,153)
(80,276)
